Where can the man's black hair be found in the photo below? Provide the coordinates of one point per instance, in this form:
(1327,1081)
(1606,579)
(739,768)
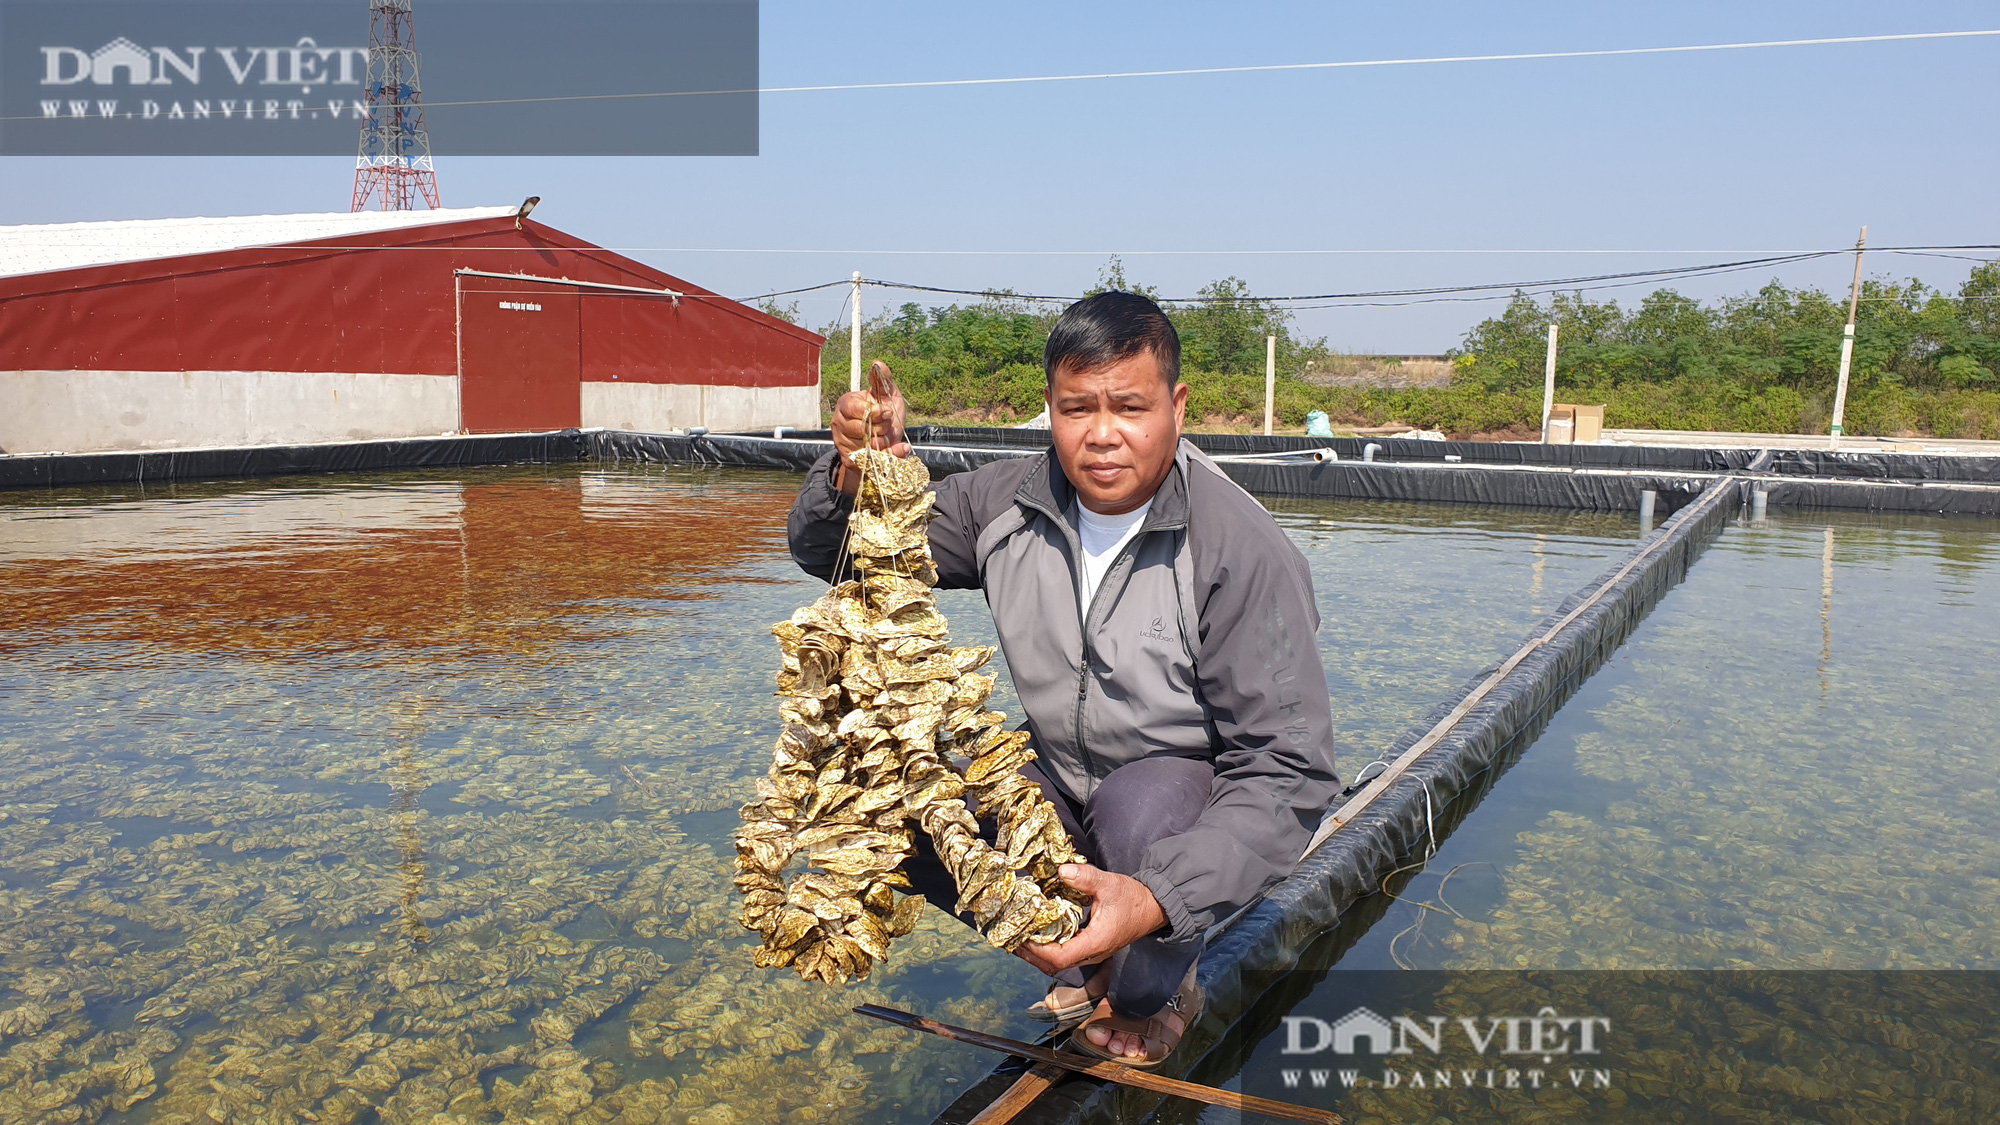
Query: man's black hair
(1099,331)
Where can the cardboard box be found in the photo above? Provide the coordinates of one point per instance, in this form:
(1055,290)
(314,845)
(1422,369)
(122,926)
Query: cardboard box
(1562,425)
(1570,423)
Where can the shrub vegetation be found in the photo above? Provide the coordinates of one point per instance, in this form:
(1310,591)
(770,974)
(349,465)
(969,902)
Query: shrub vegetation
(1925,361)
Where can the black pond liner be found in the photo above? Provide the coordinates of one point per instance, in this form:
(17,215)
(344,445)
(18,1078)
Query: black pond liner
(1580,489)
(60,470)
(1936,497)
(1587,477)
(1344,873)
(1886,466)
(743,451)
(1394,449)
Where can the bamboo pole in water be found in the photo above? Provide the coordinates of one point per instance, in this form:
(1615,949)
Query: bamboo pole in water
(1109,1071)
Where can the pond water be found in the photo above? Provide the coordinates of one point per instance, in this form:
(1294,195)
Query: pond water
(378,797)
(1792,764)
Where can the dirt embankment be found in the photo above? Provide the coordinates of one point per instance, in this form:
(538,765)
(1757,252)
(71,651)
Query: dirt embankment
(1387,371)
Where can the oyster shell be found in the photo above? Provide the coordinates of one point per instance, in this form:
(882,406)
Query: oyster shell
(877,704)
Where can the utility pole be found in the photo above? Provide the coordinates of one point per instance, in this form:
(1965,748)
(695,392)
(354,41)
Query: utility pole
(1549,385)
(1270,378)
(854,340)
(1847,342)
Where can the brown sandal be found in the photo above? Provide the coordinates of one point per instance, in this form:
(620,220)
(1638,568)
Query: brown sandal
(1048,1011)
(1159,1036)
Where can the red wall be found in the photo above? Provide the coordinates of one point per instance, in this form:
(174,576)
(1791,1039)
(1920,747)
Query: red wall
(382,302)
(519,368)
(654,340)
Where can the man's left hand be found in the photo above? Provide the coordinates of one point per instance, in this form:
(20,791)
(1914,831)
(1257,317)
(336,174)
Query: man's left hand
(1122,911)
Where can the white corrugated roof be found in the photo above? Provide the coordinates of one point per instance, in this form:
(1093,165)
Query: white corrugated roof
(64,246)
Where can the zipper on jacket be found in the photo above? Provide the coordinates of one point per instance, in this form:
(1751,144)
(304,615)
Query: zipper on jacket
(1083,658)
(1085,614)
(1060,517)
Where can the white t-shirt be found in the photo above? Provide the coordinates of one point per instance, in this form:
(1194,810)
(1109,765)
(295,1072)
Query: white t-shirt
(1102,537)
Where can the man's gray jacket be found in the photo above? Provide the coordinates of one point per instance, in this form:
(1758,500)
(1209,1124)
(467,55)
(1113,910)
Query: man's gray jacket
(1199,644)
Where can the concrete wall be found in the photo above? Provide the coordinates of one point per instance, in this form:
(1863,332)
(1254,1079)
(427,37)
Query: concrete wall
(105,411)
(100,411)
(659,407)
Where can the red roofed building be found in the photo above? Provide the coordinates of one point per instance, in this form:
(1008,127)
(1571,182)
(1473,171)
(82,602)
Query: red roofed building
(176,333)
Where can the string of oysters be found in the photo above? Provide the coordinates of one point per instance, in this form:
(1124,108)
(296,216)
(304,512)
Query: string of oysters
(877,706)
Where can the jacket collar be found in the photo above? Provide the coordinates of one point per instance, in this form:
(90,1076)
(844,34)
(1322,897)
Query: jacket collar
(1046,489)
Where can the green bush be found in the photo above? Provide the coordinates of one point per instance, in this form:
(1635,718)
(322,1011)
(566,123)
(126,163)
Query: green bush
(1924,361)
(1765,361)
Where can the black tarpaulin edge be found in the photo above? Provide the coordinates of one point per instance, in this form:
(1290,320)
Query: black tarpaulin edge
(1864,463)
(1438,483)
(1664,457)
(1268,939)
(1596,492)
(1878,465)
(1681,458)
(1481,477)
(61,470)
(981,435)
(745,452)
(1932,497)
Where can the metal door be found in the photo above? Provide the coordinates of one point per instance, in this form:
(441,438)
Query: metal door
(519,356)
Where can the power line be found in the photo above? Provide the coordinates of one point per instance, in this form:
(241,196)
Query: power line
(1562,283)
(1921,251)
(1436,294)
(1255,69)
(789,292)
(1169,253)
(1264,68)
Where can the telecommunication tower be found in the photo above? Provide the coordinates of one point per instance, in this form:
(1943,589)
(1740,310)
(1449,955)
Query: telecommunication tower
(394,165)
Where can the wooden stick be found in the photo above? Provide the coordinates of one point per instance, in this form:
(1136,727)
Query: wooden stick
(1020,1095)
(1109,1071)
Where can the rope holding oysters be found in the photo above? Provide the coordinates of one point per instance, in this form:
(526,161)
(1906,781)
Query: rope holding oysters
(876,706)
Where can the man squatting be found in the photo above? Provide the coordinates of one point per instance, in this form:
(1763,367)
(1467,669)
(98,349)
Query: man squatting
(1158,626)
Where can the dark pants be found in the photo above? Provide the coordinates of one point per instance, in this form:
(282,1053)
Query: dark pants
(1141,802)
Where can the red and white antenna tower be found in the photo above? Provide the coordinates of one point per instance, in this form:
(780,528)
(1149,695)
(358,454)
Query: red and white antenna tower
(394,165)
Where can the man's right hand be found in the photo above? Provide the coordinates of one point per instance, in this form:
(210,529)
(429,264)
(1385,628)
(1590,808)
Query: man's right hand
(873,419)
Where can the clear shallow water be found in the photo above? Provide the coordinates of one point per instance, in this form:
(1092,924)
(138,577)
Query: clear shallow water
(1415,599)
(1792,764)
(406,794)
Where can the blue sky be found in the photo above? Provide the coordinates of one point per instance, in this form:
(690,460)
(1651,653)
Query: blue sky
(1730,152)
